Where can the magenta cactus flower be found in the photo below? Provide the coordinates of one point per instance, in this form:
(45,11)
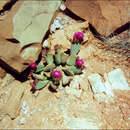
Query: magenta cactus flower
(33,65)
(78,36)
(80,62)
(56,74)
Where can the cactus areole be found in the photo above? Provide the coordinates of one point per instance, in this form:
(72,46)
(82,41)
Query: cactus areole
(58,68)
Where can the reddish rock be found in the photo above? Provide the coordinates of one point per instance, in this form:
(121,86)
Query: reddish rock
(22,29)
(105,15)
(11,55)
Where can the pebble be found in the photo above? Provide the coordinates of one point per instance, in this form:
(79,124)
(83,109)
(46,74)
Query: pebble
(22,121)
(45,44)
(62,7)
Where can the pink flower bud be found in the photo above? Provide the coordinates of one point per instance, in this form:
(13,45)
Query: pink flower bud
(33,86)
(79,62)
(33,65)
(78,36)
(56,74)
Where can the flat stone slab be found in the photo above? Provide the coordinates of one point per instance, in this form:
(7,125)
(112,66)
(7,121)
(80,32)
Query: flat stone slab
(22,31)
(106,16)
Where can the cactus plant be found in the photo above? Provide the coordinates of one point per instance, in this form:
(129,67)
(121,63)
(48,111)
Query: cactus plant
(49,59)
(71,60)
(39,68)
(75,47)
(66,80)
(41,84)
(49,67)
(64,58)
(75,70)
(58,55)
(59,68)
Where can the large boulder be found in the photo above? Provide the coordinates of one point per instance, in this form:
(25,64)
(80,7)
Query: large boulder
(106,16)
(23,28)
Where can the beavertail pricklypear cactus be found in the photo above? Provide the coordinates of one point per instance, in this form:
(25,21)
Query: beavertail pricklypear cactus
(71,60)
(49,59)
(64,58)
(58,54)
(49,67)
(58,68)
(75,47)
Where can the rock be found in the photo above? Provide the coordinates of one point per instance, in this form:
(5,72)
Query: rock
(2,72)
(45,44)
(22,121)
(75,82)
(62,7)
(24,36)
(114,80)
(2,3)
(101,97)
(38,17)
(25,108)
(100,13)
(17,60)
(72,91)
(96,83)
(7,80)
(117,80)
(12,106)
(80,123)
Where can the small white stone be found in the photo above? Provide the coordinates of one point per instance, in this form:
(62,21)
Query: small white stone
(24,104)
(101,97)
(72,91)
(45,44)
(52,28)
(96,83)
(117,80)
(58,18)
(25,108)
(75,83)
(80,123)
(66,20)
(43,120)
(22,121)
(108,89)
(57,24)
(62,7)
(39,109)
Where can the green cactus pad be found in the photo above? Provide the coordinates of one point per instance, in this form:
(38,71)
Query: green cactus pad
(58,58)
(49,59)
(47,74)
(49,67)
(75,70)
(71,60)
(41,84)
(39,68)
(66,80)
(53,85)
(75,47)
(64,58)
(68,72)
(39,76)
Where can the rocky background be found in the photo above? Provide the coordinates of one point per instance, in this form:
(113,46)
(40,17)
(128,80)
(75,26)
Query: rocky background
(97,99)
